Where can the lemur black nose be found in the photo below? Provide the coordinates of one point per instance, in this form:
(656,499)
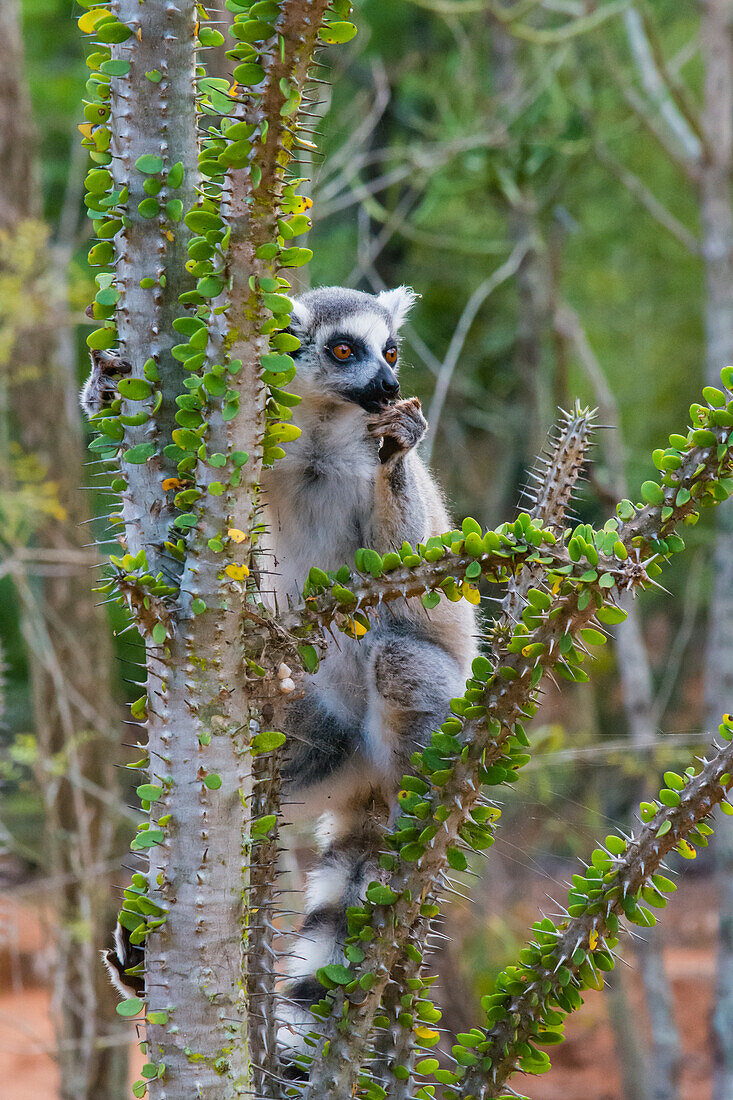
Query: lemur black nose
(388,382)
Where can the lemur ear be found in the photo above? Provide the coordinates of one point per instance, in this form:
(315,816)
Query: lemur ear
(398,303)
(300,318)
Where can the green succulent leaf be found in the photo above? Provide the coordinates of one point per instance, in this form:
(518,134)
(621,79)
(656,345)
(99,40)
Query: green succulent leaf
(149,163)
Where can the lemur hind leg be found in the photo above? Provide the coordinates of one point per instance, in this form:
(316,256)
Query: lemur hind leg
(320,740)
(412,681)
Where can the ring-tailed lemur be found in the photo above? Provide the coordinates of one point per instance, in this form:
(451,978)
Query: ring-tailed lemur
(352,479)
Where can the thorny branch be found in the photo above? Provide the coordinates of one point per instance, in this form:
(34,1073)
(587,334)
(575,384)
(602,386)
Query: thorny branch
(573,950)
(507,702)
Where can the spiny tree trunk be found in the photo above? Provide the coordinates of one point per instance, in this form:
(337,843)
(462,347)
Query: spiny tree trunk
(199,415)
(70,655)
(204,920)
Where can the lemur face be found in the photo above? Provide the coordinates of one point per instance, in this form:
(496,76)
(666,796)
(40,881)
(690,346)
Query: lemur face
(349,344)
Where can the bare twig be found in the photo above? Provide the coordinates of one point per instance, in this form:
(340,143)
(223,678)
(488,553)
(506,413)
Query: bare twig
(648,200)
(460,333)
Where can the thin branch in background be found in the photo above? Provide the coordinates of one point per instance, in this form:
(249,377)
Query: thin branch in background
(371,246)
(359,136)
(691,602)
(684,55)
(417,163)
(678,90)
(648,200)
(541,36)
(450,361)
(658,90)
(567,325)
(648,118)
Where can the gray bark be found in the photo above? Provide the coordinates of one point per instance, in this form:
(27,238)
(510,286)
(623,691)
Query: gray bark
(631,1065)
(197,711)
(667,1061)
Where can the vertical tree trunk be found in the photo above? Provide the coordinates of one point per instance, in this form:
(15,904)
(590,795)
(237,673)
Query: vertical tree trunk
(201,915)
(70,654)
(717,226)
(197,714)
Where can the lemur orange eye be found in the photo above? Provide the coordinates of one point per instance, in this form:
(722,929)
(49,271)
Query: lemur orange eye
(390,355)
(342,351)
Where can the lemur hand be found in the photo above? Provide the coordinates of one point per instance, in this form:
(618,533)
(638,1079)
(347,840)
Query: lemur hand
(400,428)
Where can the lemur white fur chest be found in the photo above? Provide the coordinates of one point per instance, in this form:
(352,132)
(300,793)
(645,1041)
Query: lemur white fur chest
(316,500)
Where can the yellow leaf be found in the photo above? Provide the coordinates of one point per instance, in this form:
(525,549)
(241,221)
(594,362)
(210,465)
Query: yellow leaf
(686,850)
(169,235)
(89,20)
(172,483)
(593,940)
(139,35)
(236,535)
(237,572)
(425,1033)
(471,594)
(85,129)
(233,90)
(556,586)
(357,629)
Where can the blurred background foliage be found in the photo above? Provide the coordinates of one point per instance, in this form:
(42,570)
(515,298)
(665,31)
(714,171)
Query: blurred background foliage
(529,183)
